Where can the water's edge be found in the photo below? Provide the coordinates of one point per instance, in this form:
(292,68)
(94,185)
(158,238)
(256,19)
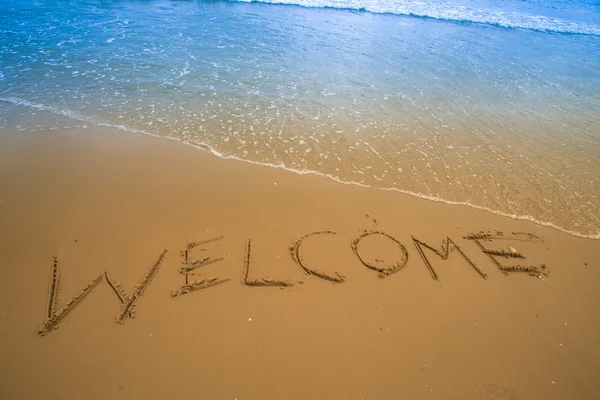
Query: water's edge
(202,146)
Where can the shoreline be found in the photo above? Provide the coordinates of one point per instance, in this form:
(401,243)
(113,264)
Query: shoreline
(204,147)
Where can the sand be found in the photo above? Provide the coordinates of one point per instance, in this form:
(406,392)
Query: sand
(134,267)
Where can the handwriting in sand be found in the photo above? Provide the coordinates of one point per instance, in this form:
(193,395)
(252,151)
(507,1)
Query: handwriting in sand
(127,302)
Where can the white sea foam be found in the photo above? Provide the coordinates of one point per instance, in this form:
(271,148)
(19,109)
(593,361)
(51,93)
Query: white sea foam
(451,12)
(202,146)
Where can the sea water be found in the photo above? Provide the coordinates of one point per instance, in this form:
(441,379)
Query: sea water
(489,103)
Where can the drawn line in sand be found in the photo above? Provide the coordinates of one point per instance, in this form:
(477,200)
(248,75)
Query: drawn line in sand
(191,245)
(295,252)
(532,270)
(189,266)
(128,303)
(120,292)
(383,271)
(199,263)
(53,298)
(198,285)
(54,317)
(504,253)
(447,246)
(261,281)
(528,237)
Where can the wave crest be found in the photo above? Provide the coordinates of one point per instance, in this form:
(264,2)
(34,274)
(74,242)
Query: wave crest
(451,12)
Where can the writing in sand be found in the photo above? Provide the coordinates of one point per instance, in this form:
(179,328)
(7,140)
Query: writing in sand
(383,268)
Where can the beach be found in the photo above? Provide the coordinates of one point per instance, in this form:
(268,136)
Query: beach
(300,199)
(298,286)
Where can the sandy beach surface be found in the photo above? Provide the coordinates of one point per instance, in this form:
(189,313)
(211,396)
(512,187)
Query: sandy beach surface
(297,287)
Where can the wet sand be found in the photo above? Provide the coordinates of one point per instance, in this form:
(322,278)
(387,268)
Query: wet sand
(310,288)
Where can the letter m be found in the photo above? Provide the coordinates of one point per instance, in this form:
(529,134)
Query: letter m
(447,246)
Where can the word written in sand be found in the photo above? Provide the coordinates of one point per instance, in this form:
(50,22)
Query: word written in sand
(188,265)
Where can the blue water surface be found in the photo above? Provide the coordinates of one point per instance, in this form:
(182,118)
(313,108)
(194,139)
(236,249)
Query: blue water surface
(491,103)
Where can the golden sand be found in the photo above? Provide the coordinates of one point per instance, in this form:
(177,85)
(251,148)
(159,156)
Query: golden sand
(236,281)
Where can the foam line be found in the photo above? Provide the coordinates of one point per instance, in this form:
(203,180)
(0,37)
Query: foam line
(202,146)
(450,12)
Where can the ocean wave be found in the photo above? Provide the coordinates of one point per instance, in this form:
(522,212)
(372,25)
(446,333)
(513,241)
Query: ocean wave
(452,12)
(205,147)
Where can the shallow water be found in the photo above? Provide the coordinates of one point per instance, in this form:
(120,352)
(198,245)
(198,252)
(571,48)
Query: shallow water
(501,113)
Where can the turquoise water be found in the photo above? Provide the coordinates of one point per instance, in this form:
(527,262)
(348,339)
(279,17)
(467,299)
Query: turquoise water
(494,104)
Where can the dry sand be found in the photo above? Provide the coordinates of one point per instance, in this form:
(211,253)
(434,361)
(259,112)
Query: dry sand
(105,201)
